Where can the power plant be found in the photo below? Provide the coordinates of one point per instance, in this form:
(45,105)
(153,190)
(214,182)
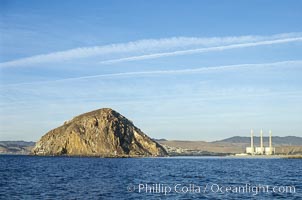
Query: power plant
(252,150)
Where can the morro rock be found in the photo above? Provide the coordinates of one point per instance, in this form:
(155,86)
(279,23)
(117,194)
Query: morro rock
(102,132)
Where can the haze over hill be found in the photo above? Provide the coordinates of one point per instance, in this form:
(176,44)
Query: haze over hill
(277,140)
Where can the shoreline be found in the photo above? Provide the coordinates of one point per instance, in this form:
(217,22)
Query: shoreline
(299,156)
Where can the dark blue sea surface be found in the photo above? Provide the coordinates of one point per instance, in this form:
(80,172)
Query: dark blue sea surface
(30,177)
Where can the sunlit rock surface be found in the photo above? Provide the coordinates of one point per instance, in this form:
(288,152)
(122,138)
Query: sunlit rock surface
(102,132)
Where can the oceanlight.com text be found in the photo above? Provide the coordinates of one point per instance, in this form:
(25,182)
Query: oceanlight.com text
(165,189)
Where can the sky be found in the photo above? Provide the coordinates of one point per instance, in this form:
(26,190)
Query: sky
(183,70)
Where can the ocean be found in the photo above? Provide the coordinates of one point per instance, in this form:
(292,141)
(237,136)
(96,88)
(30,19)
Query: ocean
(31,177)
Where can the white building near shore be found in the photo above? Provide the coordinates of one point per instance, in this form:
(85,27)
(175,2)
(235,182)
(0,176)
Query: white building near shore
(261,150)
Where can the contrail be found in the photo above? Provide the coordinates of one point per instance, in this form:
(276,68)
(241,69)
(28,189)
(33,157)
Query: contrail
(168,72)
(201,50)
(154,48)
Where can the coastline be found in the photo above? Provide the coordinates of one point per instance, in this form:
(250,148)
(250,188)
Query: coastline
(170,156)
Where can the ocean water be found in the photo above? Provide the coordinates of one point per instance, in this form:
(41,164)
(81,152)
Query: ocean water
(29,177)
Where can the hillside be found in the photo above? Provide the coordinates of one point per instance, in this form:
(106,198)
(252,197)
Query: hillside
(16,147)
(284,145)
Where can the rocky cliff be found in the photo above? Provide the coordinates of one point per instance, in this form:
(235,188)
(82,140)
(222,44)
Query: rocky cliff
(102,132)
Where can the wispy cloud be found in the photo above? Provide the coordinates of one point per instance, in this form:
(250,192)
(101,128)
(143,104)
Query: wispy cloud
(201,50)
(171,72)
(155,48)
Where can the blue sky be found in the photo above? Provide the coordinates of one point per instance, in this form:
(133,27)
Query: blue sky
(191,70)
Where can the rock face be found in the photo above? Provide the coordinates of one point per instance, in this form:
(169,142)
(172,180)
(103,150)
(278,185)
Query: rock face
(102,132)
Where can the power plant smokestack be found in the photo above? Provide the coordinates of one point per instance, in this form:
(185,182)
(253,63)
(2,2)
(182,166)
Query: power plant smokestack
(270,143)
(261,141)
(252,141)
(261,149)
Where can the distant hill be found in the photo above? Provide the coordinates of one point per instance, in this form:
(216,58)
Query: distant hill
(199,148)
(15,147)
(277,141)
(284,145)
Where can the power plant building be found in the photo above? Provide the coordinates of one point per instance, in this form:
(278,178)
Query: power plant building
(261,150)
